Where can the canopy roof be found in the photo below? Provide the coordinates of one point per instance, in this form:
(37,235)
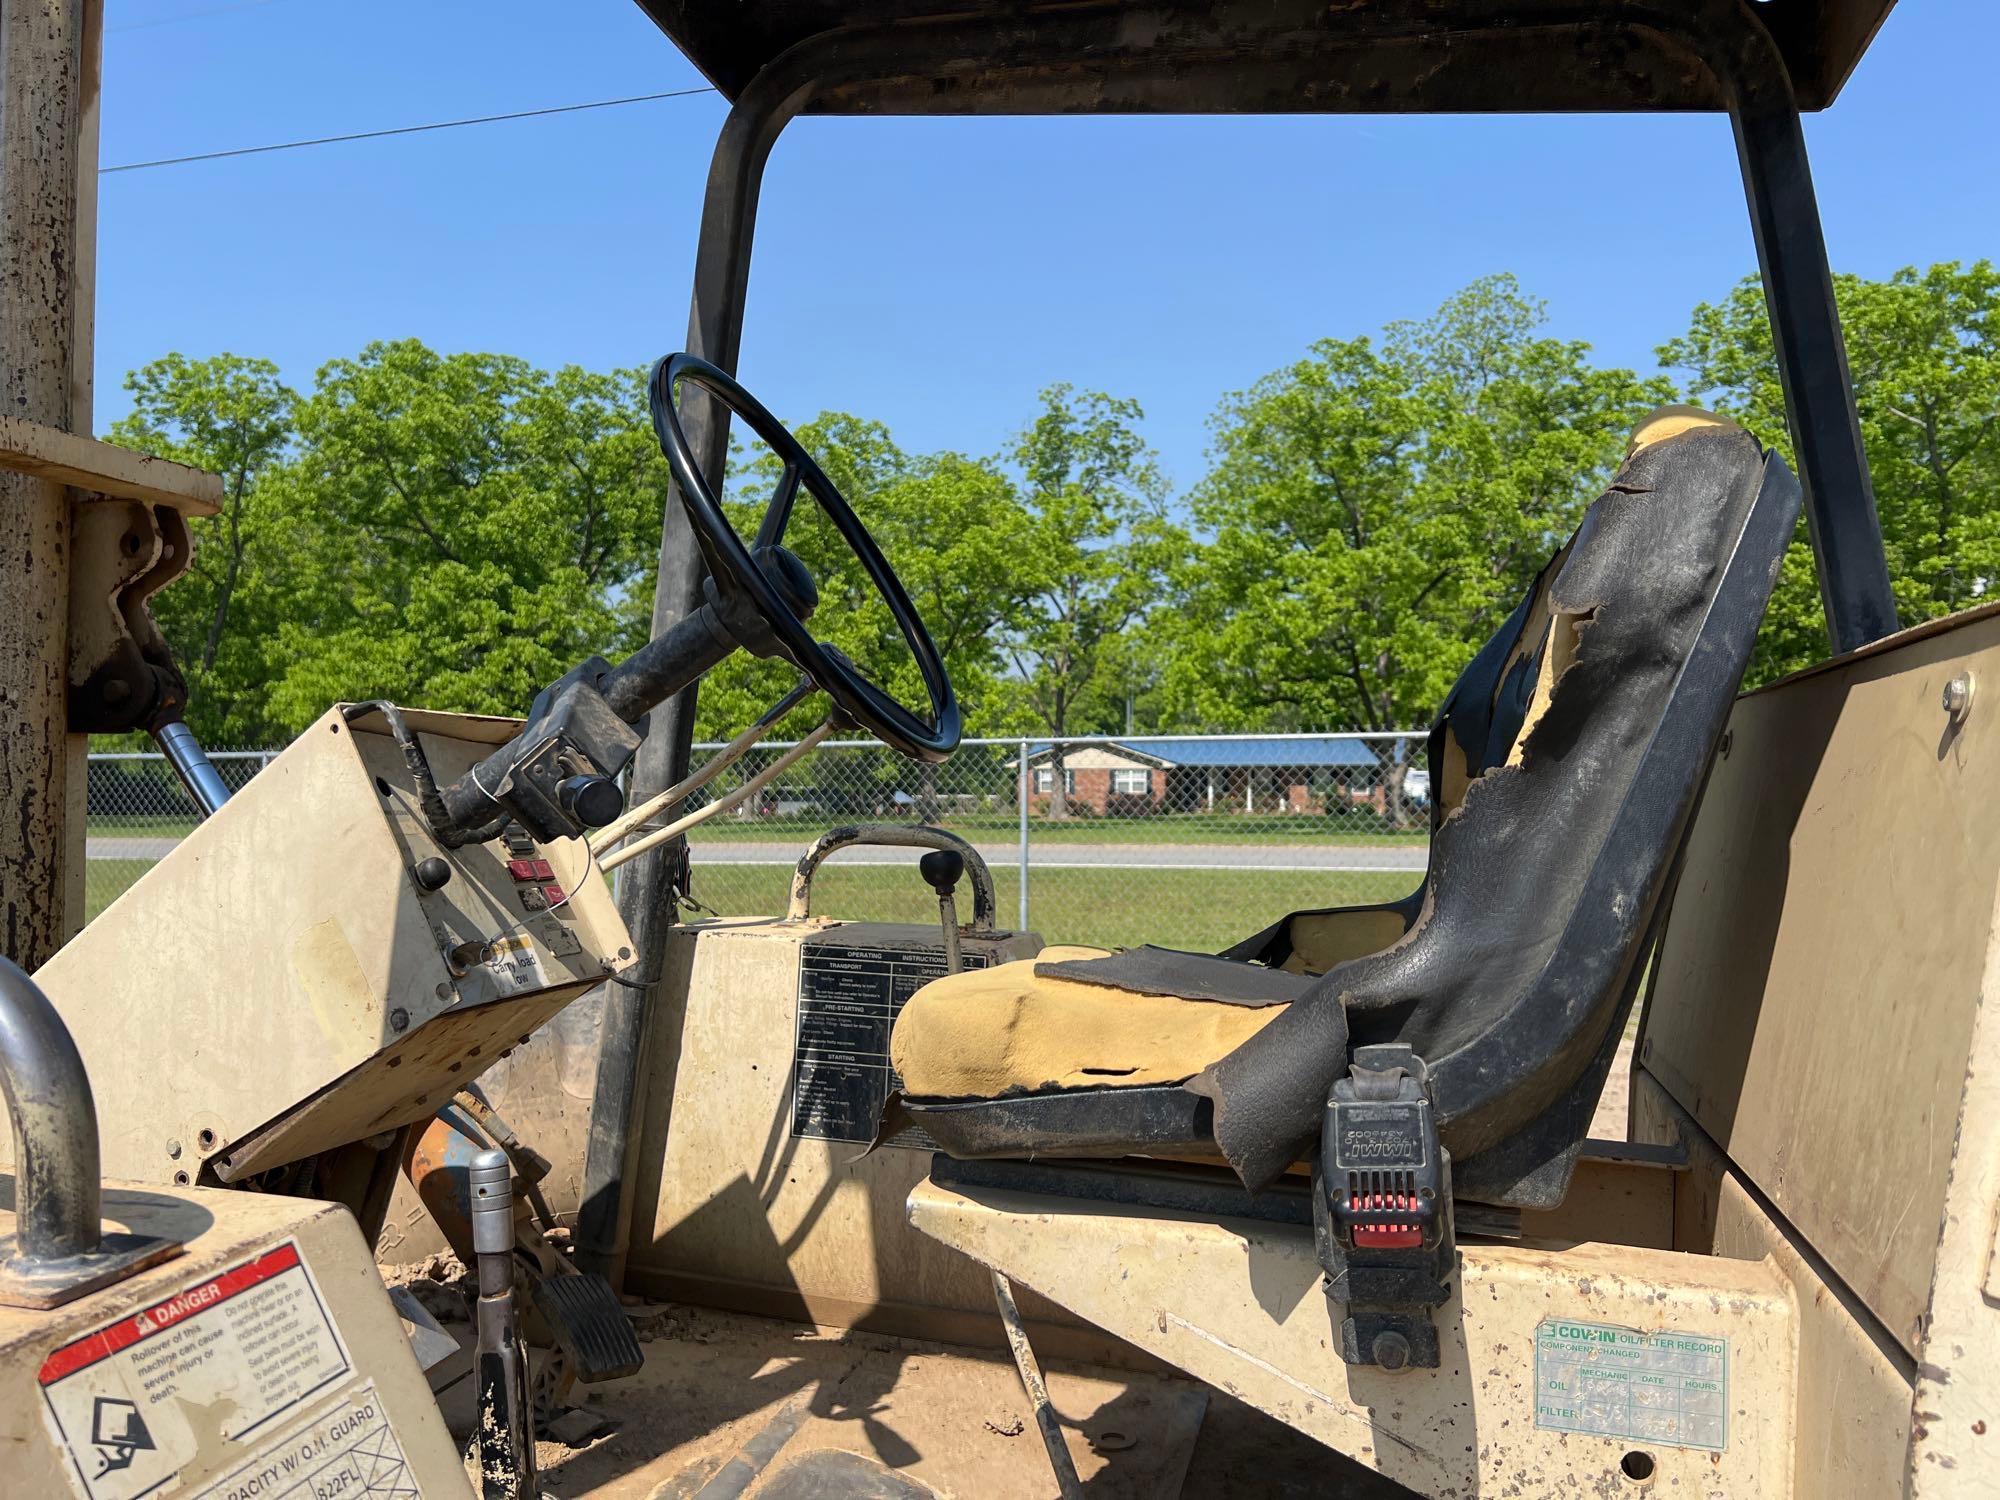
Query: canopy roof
(1265,56)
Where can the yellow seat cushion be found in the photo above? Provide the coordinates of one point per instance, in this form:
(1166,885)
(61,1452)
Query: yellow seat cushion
(1665,422)
(989,1032)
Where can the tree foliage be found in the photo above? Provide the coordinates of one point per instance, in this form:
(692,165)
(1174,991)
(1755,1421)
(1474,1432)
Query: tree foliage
(1376,509)
(473,524)
(1096,549)
(456,530)
(234,417)
(1924,348)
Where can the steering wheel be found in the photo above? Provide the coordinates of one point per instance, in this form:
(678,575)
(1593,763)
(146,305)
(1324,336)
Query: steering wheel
(735,569)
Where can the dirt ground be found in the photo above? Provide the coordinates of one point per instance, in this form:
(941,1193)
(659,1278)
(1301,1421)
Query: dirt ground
(727,1404)
(753,1396)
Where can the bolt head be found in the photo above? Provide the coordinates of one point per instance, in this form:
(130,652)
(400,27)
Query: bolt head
(1957,695)
(1391,1350)
(399,1019)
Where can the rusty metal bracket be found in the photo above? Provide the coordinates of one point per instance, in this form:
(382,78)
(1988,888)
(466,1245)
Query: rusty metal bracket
(128,540)
(122,674)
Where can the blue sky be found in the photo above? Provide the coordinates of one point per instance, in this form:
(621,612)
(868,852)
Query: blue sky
(930,273)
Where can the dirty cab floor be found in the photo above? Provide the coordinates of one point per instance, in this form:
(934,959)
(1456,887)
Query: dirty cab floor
(734,1406)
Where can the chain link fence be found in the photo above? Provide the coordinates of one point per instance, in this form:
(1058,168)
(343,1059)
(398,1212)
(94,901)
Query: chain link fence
(1188,841)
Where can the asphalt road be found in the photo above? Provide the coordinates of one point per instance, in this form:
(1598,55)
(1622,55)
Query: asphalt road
(1291,855)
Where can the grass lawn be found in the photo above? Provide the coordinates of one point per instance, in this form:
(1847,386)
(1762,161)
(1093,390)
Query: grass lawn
(1170,828)
(1199,909)
(105,880)
(140,825)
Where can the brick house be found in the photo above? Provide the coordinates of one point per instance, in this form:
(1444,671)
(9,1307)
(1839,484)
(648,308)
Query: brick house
(1131,777)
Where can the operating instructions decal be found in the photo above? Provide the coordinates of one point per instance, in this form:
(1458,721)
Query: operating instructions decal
(849,998)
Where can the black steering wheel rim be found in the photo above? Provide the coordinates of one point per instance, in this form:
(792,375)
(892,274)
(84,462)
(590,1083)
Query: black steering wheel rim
(735,569)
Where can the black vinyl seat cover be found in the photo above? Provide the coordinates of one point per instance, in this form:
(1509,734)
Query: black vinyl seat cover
(1546,880)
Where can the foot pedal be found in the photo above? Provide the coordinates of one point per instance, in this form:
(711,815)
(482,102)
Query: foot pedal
(589,1326)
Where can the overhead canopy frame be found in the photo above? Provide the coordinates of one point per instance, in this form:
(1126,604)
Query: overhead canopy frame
(1758,61)
(1264,56)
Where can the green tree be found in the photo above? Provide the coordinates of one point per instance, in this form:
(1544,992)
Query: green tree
(469,527)
(1097,551)
(234,417)
(1924,348)
(1376,509)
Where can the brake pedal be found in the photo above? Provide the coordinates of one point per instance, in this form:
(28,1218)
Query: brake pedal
(589,1326)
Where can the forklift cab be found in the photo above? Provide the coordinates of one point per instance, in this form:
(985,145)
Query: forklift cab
(1340,1171)
(1390,1105)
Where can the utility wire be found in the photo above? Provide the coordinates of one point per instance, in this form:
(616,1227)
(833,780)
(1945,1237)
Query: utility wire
(375,135)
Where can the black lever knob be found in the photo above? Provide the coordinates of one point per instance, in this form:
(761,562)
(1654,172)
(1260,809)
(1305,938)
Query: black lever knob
(591,800)
(941,869)
(431,874)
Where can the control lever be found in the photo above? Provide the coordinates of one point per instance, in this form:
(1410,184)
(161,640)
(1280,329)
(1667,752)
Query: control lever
(506,1438)
(941,869)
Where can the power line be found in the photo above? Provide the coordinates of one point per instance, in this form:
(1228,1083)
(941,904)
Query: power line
(375,135)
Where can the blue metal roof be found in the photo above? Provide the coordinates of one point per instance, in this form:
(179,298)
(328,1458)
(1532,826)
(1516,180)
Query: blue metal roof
(1312,750)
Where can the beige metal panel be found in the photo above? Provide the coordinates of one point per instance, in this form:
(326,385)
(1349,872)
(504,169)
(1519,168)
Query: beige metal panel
(1615,1195)
(543,1088)
(410,1079)
(104,469)
(223,1230)
(1814,994)
(1854,1381)
(282,947)
(1955,1430)
(1240,1305)
(1853,1395)
(731,1207)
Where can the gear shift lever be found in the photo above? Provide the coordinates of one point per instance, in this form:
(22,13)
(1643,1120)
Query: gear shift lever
(941,869)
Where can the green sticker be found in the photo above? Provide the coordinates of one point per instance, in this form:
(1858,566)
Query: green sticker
(1670,1388)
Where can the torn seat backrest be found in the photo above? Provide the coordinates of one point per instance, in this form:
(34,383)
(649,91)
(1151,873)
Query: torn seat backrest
(1480,725)
(1550,857)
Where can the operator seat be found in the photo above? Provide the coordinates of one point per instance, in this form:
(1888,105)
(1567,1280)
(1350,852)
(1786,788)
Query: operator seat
(1565,765)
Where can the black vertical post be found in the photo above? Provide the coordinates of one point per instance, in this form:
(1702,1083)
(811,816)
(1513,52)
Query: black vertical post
(1812,360)
(645,884)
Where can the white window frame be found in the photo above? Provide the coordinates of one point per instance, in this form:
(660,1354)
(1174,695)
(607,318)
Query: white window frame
(1132,782)
(1045,781)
